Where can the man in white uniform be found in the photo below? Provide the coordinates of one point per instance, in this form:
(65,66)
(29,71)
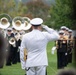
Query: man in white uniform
(35,43)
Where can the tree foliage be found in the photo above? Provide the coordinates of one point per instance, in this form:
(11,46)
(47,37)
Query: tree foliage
(61,14)
(38,9)
(12,8)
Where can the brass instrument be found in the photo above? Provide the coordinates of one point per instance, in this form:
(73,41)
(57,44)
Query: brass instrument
(27,24)
(5,21)
(12,42)
(64,40)
(17,23)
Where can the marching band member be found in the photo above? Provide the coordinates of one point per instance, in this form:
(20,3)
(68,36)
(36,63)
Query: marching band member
(61,45)
(35,43)
(70,46)
(17,50)
(14,31)
(66,35)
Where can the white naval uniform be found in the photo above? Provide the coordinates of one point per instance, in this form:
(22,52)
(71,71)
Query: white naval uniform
(36,42)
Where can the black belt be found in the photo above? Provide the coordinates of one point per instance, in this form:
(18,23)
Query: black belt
(27,68)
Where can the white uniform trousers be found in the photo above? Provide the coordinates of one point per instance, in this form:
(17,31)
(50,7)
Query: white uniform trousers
(40,70)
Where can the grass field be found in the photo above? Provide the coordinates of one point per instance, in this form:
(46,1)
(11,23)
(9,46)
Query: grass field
(15,69)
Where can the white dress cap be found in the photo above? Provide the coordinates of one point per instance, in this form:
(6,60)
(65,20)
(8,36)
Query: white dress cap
(61,31)
(9,28)
(67,29)
(63,27)
(36,21)
(70,30)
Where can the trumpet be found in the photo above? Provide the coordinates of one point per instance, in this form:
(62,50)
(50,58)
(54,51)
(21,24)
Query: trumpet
(12,42)
(5,21)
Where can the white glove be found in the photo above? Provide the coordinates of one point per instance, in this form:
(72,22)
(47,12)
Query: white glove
(19,47)
(52,52)
(23,64)
(65,53)
(53,49)
(50,30)
(44,26)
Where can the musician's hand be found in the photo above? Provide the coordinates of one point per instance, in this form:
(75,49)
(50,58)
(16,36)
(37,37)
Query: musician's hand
(65,53)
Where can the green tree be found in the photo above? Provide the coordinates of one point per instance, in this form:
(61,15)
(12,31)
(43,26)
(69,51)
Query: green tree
(38,9)
(12,8)
(61,14)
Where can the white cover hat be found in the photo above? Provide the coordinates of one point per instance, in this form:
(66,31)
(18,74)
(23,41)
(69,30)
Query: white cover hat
(61,31)
(36,21)
(63,27)
(70,30)
(9,28)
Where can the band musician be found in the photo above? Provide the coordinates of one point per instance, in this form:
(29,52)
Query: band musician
(61,46)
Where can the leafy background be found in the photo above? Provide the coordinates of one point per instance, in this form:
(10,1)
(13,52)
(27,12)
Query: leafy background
(55,13)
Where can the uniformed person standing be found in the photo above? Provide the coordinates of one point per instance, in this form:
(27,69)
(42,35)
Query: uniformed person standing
(16,50)
(9,47)
(70,46)
(66,35)
(61,46)
(35,43)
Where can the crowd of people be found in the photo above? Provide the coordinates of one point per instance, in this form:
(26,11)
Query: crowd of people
(64,46)
(12,41)
(34,60)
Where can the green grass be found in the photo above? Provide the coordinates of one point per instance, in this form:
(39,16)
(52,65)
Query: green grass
(15,69)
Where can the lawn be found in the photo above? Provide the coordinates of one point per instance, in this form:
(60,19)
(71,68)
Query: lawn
(15,69)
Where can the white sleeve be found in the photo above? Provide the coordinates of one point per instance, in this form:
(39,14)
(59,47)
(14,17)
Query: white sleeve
(22,53)
(51,34)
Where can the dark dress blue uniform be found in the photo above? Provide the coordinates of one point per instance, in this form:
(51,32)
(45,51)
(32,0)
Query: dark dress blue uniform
(18,51)
(70,48)
(16,54)
(9,50)
(61,50)
(14,50)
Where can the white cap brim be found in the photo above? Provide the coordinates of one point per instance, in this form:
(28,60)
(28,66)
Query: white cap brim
(61,31)
(36,21)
